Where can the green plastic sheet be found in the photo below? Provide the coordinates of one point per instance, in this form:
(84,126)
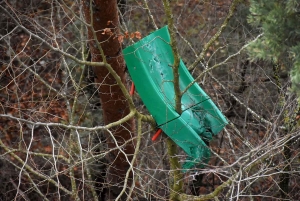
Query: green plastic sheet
(149,63)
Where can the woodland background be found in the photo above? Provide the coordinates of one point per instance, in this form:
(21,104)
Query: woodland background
(62,135)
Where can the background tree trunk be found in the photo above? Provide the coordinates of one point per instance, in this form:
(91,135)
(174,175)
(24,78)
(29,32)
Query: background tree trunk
(114,104)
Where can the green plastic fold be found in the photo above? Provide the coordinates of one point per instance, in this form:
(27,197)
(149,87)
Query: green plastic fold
(149,63)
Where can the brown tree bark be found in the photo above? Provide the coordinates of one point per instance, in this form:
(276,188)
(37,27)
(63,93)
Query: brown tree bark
(114,104)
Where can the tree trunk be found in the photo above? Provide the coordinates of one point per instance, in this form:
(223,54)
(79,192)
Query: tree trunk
(114,104)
